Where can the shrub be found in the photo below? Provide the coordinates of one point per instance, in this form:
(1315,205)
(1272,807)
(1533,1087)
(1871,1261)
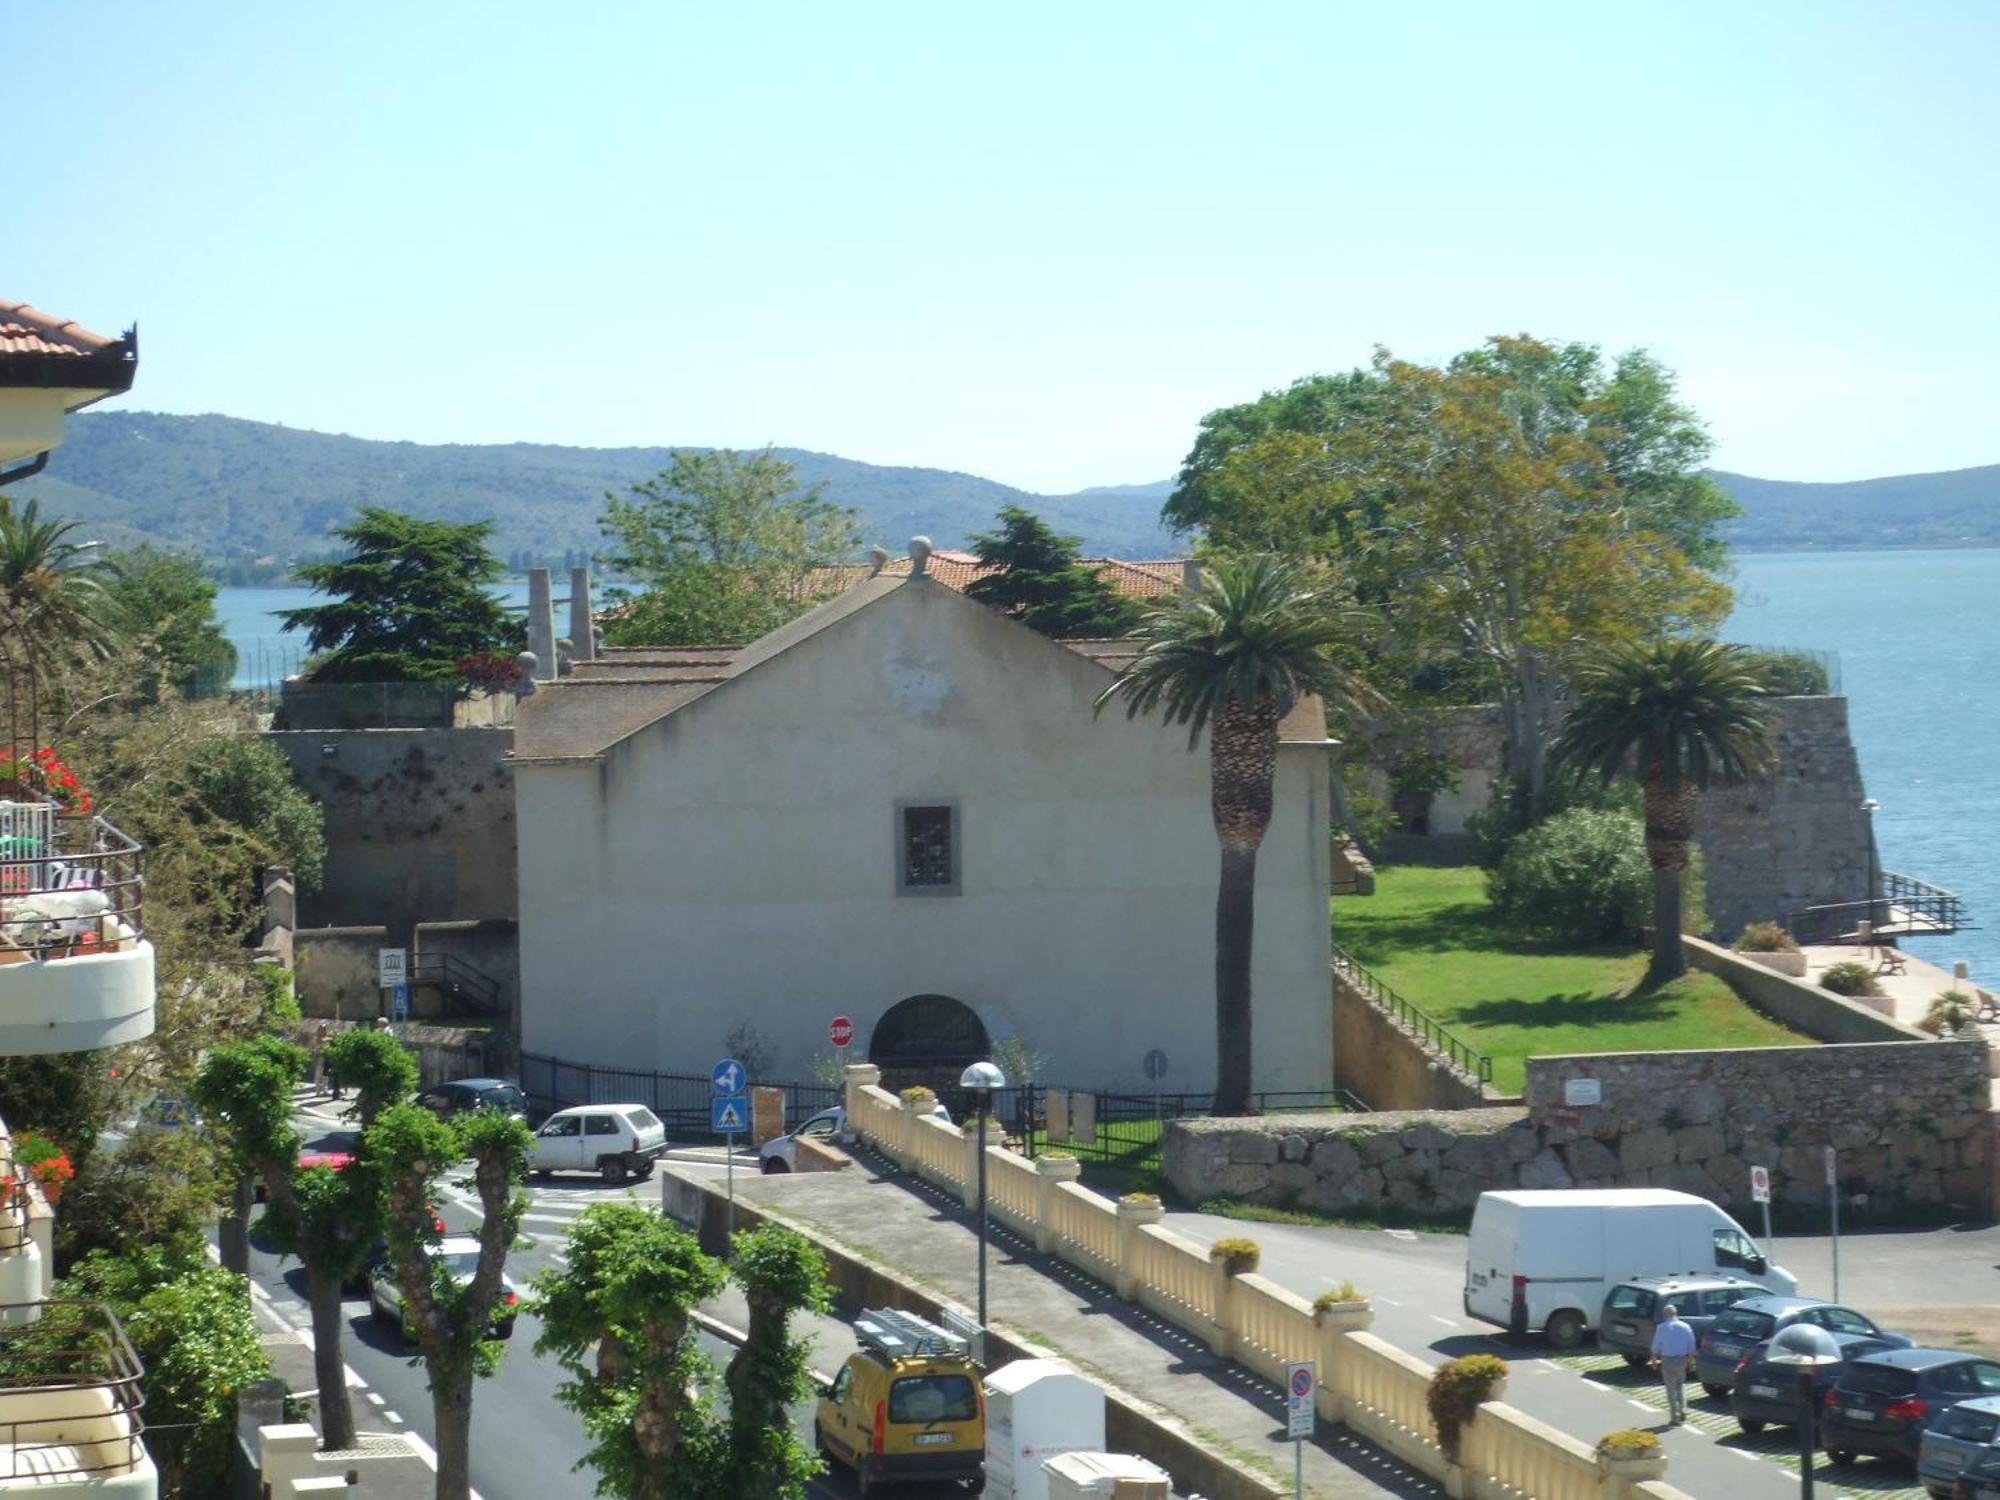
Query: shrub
(1506,815)
(1765,937)
(1850,977)
(1950,1012)
(1787,674)
(1629,1442)
(1583,877)
(916,1096)
(1141,1200)
(1457,1387)
(1338,1296)
(1237,1257)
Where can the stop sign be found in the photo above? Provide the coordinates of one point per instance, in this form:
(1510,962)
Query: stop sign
(840,1031)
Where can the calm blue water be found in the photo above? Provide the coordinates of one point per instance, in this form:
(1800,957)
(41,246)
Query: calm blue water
(1916,633)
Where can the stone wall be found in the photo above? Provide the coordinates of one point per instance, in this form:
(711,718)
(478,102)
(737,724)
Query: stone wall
(1805,1007)
(335,969)
(1909,1119)
(1385,1067)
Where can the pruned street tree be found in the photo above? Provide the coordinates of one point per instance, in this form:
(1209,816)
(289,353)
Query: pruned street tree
(782,1273)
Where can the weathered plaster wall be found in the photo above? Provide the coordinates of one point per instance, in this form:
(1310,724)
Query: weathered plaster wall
(1385,1067)
(1910,1120)
(336,971)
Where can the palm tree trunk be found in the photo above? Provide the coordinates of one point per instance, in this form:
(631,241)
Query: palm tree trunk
(1669,832)
(1243,770)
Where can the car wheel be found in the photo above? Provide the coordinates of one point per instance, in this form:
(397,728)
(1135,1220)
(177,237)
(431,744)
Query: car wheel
(1564,1329)
(1637,1361)
(1843,1457)
(1717,1391)
(773,1165)
(1750,1425)
(611,1169)
(645,1168)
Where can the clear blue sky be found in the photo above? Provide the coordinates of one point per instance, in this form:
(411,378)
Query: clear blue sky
(1035,242)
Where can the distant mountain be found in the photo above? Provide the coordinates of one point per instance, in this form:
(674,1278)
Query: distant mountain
(1960,508)
(236,490)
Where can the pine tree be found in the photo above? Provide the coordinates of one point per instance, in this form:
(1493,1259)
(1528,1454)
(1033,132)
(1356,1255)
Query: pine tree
(1042,584)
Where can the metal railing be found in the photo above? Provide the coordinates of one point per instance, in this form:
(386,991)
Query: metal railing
(679,1099)
(1127,1129)
(15,1231)
(1906,907)
(1435,1035)
(70,1347)
(70,884)
(460,983)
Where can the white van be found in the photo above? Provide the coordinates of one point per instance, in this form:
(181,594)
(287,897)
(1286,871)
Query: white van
(1547,1259)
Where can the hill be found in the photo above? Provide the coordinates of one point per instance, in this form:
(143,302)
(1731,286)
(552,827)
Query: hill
(236,490)
(1960,508)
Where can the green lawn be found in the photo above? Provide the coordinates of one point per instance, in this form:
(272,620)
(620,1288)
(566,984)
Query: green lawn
(1427,932)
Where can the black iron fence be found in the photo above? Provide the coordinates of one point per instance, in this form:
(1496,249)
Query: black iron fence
(1114,1129)
(681,1100)
(1433,1034)
(1906,907)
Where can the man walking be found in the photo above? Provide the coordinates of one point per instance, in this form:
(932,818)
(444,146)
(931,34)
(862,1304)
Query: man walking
(1673,1347)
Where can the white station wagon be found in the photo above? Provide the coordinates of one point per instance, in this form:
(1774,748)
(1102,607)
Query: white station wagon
(615,1141)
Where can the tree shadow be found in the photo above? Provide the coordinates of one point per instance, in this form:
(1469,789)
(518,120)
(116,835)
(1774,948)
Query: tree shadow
(1462,925)
(1578,1008)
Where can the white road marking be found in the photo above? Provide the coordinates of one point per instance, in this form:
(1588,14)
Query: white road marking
(389,1416)
(375,1397)
(1401,1234)
(1448,1322)
(1548,1364)
(1640,1404)
(1743,1453)
(1385,1301)
(428,1454)
(564,1219)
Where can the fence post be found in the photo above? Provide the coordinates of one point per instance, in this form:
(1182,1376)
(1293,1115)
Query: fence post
(1132,1216)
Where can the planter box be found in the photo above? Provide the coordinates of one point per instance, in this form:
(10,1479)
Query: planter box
(1793,964)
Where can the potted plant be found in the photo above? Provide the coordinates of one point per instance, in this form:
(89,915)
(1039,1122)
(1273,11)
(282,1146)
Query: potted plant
(1456,1389)
(42,774)
(1237,1257)
(47,1163)
(1631,1455)
(1769,944)
(1342,1308)
(1950,1013)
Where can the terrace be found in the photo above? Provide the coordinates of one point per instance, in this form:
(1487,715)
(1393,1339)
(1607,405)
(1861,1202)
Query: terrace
(70,1403)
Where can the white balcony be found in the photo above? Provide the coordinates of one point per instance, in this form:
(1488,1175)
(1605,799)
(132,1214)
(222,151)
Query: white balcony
(70,1403)
(76,971)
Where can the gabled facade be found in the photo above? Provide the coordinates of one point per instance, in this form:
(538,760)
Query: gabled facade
(900,808)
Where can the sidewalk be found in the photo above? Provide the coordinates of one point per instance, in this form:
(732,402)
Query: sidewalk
(928,1239)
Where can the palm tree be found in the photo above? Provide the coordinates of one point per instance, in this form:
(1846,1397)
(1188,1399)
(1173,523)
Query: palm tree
(55,593)
(1675,714)
(1232,656)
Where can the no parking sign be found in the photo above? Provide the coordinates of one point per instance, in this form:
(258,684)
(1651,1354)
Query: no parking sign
(1299,1383)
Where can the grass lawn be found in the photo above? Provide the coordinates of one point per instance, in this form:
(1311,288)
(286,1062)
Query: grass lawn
(1429,934)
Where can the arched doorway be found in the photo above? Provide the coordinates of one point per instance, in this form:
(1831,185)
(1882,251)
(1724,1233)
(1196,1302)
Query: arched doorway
(928,1039)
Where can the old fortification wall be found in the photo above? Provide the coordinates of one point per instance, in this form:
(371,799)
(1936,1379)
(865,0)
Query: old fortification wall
(1385,1066)
(1909,1119)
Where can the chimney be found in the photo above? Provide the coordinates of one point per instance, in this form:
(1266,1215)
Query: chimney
(920,555)
(878,559)
(541,624)
(582,630)
(1190,574)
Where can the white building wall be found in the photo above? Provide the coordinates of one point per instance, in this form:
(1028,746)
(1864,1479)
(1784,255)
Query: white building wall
(737,862)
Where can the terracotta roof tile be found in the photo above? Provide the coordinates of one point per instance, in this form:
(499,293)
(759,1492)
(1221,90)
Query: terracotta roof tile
(1153,579)
(29,330)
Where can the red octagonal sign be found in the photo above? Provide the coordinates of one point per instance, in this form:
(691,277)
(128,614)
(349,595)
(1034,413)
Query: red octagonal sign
(840,1031)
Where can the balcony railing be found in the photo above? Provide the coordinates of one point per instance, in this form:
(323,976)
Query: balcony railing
(70,1396)
(70,884)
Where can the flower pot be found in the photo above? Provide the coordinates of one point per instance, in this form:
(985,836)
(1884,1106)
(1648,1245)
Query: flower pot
(1793,964)
(1622,1471)
(1346,1317)
(52,1191)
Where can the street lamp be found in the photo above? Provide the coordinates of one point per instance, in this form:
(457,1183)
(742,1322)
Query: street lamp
(980,1080)
(1804,1348)
(1868,807)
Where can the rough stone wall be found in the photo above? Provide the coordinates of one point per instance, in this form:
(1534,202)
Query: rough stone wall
(1910,1120)
(1384,1066)
(335,969)
(419,825)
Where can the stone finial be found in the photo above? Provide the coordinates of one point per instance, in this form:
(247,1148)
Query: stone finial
(525,685)
(920,556)
(878,559)
(565,655)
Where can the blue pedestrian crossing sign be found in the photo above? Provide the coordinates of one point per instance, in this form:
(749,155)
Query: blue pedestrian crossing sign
(728,1076)
(729,1114)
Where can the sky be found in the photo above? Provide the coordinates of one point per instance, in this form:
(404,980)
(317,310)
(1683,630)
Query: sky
(1033,242)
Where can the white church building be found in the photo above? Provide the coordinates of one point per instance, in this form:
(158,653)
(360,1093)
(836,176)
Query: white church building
(901,808)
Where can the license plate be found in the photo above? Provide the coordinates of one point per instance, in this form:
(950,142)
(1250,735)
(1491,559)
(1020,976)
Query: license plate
(1860,1414)
(1625,1328)
(1768,1392)
(1721,1346)
(1948,1460)
(935,1439)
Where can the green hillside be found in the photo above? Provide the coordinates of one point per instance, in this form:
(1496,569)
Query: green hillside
(1960,508)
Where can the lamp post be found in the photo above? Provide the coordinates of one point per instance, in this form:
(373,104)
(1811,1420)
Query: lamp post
(981,1079)
(1804,1349)
(1868,807)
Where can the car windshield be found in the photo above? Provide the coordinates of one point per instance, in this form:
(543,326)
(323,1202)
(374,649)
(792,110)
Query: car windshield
(1878,1380)
(504,1098)
(461,1263)
(1972,1426)
(1743,1320)
(933,1398)
(1633,1301)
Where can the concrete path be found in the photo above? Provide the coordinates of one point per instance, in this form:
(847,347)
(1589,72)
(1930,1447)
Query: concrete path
(1907,996)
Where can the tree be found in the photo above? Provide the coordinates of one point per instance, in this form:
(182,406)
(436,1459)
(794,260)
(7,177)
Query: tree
(723,545)
(1232,657)
(1042,584)
(57,592)
(411,1149)
(409,600)
(168,601)
(1675,714)
(246,783)
(782,1273)
(619,1319)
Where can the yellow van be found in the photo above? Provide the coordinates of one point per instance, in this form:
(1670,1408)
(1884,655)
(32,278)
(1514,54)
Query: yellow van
(906,1408)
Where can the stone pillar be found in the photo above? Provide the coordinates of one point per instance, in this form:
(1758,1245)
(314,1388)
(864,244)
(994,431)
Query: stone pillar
(767,1114)
(1222,1343)
(1051,1172)
(582,628)
(1334,1324)
(1618,1477)
(1133,1215)
(541,624)
(285,1452)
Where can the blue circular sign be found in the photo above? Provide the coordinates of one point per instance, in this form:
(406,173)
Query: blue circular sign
(728,1076)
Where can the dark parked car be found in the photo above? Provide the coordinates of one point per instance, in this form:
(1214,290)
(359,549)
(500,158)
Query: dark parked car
(1882,1404)
(464,1095)
(1960,1442)
(1755,1319)
(1981,1479)
(1630,1313)
(1767,1395)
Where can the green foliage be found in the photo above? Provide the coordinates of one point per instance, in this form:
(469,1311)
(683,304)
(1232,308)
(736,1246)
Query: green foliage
(1850,977)
(244,1091)
(723,546)
(1765,937)
(375,1064)
(1509,810)
(169,602)
(1679,713)
(781,1273)
(1952,1011)
(1456,1389)
(57,590)
(276,995)
(1237,1257)
(1042,584)
(1337,1296)
(1583,877)
(1787,674)
(247,783)
(1629,1442)
(68,1096)
(407,601)
(158,1188)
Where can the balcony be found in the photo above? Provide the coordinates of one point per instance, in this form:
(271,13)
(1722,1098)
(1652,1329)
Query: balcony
(70,1399)
(76,971)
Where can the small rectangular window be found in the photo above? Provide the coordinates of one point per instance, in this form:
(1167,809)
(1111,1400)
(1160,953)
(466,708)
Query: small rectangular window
(927,848)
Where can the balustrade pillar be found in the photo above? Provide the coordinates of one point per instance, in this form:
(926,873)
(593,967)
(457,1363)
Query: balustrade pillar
(1050,1173)
(1133,1216)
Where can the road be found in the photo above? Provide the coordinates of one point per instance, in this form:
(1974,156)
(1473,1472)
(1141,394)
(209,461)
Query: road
(524,1443)
(1416,1282)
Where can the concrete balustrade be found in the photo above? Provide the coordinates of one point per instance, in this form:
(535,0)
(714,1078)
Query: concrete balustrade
(1366,1383)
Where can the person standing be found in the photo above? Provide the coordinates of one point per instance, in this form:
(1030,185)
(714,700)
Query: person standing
(1673,1347)
(319,1060)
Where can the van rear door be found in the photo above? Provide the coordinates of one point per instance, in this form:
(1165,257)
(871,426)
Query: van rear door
(1492,1252)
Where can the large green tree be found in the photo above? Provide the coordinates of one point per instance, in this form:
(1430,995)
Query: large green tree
(409,600)
(722,547)
(57,591)
(169,602)
(1675,714)
(1041,583)
(1232,657)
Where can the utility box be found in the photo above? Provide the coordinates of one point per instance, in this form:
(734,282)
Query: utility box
(1037,1409)
(1105,1476)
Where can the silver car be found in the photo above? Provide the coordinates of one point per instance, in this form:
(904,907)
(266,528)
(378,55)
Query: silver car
(781,1153)
(1966,1437)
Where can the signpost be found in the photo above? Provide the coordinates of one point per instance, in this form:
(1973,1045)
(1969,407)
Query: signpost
(729,1117)
(1760,1192)
(1155,1064)
(1299,1413)
(840,1031)
(392,967)
(1833,1208)
(399,995)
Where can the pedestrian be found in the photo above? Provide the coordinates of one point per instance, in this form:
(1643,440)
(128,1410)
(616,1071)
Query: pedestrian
(319,1059)
(381,1023)
(1673,1347)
